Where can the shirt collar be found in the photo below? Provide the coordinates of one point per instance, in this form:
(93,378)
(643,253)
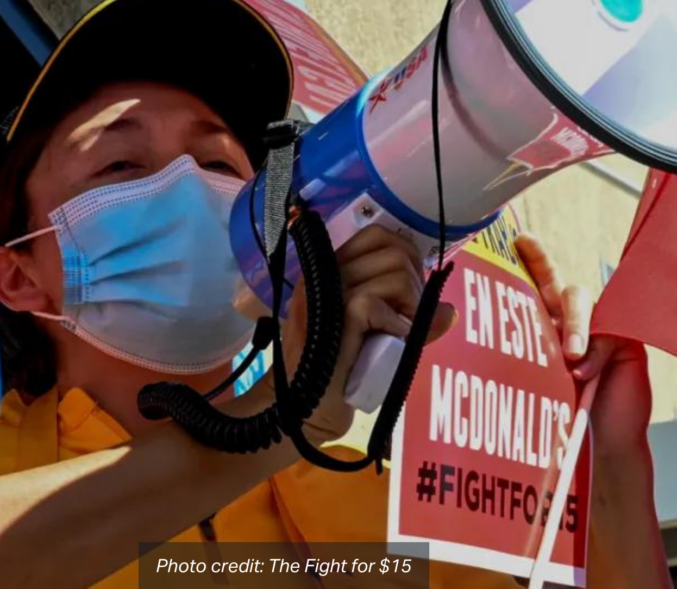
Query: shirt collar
(50,429)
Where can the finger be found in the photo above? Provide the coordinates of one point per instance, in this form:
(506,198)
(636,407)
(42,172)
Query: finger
(381,261)
(374,238)
(374,314)
(601,349)
(576,311)
(543,272)
(399,289)
(446,318)
(366,314)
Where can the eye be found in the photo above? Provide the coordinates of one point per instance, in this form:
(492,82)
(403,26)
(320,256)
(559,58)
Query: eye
(221,167)
(118,167)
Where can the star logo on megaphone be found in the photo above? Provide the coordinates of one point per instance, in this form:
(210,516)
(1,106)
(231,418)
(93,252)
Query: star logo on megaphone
(380,95)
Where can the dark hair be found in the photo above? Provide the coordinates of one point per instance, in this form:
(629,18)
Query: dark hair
(28,355)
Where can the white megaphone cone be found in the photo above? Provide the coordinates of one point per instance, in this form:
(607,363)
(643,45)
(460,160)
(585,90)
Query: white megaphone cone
(527,88)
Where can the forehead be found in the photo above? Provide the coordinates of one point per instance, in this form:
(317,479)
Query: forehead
(140,99)
(142,120)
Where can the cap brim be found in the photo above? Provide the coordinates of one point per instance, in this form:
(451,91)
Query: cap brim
(221,50)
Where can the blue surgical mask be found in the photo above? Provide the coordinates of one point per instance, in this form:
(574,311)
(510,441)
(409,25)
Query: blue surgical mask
(149,274)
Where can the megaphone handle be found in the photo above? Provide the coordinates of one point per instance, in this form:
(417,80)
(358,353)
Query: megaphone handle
(373,371)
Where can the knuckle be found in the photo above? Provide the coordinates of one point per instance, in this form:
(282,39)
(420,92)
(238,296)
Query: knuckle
(405,284)
(411,293)
(376,232)
(359,305)
(549,271)
(399,257)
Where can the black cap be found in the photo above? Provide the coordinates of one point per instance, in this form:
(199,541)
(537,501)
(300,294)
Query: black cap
(223,51)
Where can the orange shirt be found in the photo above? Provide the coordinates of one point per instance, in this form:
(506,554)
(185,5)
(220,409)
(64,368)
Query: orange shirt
(300,504)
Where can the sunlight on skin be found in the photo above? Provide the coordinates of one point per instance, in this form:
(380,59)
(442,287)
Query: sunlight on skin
(84,137)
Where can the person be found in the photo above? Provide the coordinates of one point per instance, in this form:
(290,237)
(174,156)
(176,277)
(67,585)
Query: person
(123,120)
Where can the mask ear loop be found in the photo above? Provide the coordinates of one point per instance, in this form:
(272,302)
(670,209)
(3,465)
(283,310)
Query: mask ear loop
(29,237)
(50,316)
(33,235)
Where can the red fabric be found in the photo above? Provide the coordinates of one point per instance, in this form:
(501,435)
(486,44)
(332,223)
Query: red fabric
(640,301)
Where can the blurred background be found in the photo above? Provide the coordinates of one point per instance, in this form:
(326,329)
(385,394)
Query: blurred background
(583,214)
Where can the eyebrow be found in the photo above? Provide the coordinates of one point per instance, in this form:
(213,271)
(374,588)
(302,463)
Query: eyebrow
(129,123)
(118,125)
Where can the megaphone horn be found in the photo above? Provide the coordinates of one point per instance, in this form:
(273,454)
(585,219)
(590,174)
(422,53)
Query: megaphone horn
(529,87)
(525,88)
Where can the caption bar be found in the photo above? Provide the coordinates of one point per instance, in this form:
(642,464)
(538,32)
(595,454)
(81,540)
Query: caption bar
(312,566)
(204,565)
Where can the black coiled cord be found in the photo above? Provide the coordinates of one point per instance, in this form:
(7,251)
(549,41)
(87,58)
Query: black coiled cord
(205,423)
(324,296)
(324,293)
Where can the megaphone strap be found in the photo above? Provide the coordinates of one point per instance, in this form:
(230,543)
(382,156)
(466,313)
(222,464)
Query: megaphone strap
(281,139)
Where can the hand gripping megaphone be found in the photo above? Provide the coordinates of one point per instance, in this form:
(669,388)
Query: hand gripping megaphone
(500,95)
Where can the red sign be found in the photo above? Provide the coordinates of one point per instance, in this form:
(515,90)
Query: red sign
(478,451)
(324,74)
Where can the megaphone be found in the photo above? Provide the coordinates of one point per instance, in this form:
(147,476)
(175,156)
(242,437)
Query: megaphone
(499,96)
(528,88)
